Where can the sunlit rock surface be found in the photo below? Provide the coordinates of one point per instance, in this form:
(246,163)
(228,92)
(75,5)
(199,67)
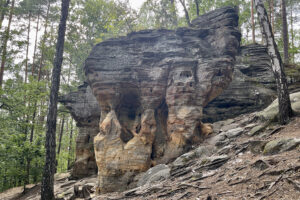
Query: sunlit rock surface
(152,86)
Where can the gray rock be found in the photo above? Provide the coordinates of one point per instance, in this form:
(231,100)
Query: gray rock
(157,173)
(255,130)
(252,88)
(85,109)
(271,112)
(260,164)
(281,145)
(200,152)
(234,132)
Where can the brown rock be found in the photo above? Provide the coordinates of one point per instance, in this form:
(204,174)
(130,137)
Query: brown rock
(152,86)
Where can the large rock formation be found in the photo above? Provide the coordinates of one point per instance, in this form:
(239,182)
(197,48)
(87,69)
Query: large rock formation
(152,86)
(84,108)
(252,88)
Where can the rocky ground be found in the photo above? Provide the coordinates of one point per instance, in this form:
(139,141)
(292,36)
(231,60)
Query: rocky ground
(245,158)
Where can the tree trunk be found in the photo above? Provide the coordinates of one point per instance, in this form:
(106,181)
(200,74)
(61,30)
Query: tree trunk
(60,135)
(186,13)
(273,15)
(285,110)
(292,35)
(197,8)
(70,145)
(252,21)
(35,44)
(47,189)
(43,43)
(3,12)
(27,48)
(285,35)
(5,40)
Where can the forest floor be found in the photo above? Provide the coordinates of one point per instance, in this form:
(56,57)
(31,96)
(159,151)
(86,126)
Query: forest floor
(240,168)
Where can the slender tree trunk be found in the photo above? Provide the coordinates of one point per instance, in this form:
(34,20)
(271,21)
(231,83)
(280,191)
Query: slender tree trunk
(273,16)
(174,15)
(3,12)
(60,135)
(47,189)
(285,35)
(285,110)
(292,34)
(6,38)
(186,13)
(27,48)
(197,8)
(70,145)
(252,21)
(35,44)
(43,43)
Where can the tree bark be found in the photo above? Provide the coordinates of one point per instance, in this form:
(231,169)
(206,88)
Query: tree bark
(292,35)
(47,189)
(43,43)
(60,135)
(27,47)
(70,145)
(35,43)
(6,38)
(273,16)
(252,21)
(197,8)
(285,35)
(186,13)
(285,110)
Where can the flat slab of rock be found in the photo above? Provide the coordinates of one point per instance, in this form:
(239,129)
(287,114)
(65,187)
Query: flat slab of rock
(281,145)
(157,173)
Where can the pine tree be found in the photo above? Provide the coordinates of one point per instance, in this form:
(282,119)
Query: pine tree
(47,189)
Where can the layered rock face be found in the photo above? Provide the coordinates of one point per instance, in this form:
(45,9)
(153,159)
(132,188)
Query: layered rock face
(152,86)
(85,110)
(252,88)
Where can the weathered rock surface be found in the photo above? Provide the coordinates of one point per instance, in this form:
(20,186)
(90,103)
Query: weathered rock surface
(271,112)
(152,86)
(252,87)
(158,173)
(281,145)
(85,110)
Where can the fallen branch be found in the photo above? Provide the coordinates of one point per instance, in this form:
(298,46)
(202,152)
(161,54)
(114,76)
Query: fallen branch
(239,182)
(275,182)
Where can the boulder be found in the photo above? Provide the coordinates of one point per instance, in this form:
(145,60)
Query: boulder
(271,112)
(281,145)
(157,173)
(84,108)
(152,86)
(252,88)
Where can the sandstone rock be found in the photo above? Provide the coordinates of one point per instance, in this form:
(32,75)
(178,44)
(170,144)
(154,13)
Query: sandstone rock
(85,110)
(252,88)
(271,112)
(157,173)
(152,86)
(281,145)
